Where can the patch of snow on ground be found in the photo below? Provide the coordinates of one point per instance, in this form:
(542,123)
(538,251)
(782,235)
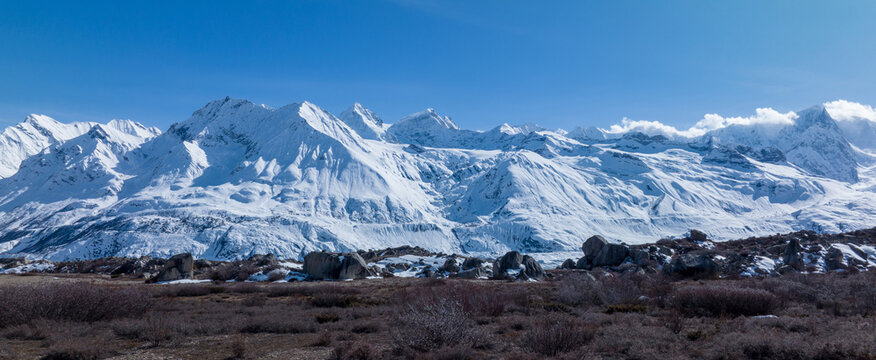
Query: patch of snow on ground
(32,267)
(417,264)
(184,281)
(762,265)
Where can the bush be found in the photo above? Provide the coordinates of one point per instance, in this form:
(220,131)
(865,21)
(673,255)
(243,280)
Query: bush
(710,300)
(557,334)
(332,300)
(323,318)
(68,301)
(579,289)
(626,308)
(185,290)
(432,323)
(245,288)
(366,328)
(277,324)
(355,351)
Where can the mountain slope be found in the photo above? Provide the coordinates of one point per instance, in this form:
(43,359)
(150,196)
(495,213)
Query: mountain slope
(238,178)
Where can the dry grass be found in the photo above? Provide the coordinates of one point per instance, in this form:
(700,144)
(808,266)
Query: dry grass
(572,316)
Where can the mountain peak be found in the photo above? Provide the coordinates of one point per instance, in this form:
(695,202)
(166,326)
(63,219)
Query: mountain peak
(430,117)
(365,122)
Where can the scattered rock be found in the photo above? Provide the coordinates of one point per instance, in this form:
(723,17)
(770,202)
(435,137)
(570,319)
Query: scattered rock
(834,259)
(569,264)
(791,256)
(641,257)
(452,265)
(691,264)
(525,266)
(472,262)
(473,273)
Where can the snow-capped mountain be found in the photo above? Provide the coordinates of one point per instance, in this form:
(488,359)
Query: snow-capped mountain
(238,178)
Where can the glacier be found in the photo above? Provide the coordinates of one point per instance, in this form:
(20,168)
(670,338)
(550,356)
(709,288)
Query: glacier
(237,179)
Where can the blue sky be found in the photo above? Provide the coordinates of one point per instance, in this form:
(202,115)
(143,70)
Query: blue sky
(556,63)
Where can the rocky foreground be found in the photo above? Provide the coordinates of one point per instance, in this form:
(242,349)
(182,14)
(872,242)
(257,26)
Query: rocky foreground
(694,255)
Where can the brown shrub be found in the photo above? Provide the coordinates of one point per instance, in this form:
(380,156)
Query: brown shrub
(366,328)
(355,351)
(557,334)
(185,290)
(277,323)
(245,288)
(712,300)
(326,317)
(326,300)
(68,301)
(431,323)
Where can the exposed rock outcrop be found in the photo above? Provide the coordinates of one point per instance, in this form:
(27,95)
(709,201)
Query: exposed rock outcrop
(334,266)
(178,267)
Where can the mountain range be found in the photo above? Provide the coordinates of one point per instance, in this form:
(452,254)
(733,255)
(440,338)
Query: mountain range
(237,179)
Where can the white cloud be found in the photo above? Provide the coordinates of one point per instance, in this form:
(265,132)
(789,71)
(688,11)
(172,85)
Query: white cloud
(842,110)
(762,117)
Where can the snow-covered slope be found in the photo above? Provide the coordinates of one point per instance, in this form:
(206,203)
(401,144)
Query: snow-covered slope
(28,138)
(238,178)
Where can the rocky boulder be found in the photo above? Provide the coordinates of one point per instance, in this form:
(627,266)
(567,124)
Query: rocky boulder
(834,259)
(473,273)
(452,265)
(264,260)
(697,235)
(334,266)
(593,245)
(471,263)
(692,264)
(611,255)
(523,267)
(791,256)
(569,264)
(583,264)
(178,267)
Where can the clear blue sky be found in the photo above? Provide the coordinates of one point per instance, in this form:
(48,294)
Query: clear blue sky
(556,63)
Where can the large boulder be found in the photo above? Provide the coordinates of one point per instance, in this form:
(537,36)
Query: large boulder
(583,264)
(471,263)
(452,265)
(834,259)
(334,266)
(692,264)
(569,264)
(532,270)
(264,260)
(611,255)
(513,263)
(473,273)
(593,245)
(178,267)
(697,235)
(640,257)
(791,257)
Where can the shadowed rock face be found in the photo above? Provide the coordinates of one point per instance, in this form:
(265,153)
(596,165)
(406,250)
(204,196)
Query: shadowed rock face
(593,245)
(611,255)
(333,266)
(690,264)
(178,267)
(512,261)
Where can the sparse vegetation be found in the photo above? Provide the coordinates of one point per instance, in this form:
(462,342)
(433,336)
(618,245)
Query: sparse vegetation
(569,316)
